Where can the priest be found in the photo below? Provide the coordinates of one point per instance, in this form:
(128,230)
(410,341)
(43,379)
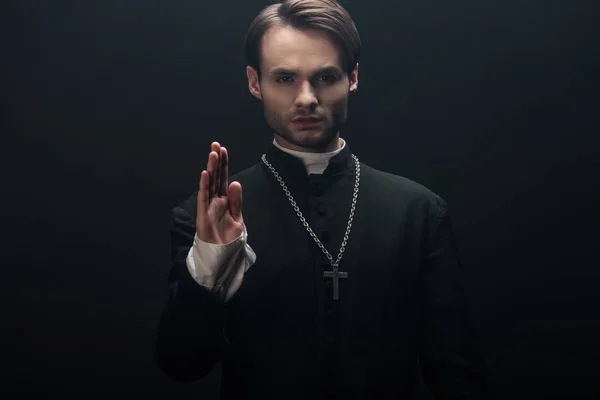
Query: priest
(323,278)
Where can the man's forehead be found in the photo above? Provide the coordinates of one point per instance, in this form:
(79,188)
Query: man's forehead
(298,50)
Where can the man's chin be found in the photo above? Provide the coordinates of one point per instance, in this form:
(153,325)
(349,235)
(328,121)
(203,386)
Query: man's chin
(309,136)
(310,140)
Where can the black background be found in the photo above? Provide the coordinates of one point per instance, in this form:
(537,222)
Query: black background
(112,106)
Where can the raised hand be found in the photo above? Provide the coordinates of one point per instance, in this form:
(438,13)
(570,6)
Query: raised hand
(219,219)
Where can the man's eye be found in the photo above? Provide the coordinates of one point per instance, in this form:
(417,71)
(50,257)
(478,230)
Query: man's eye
(320,79)
(327,78)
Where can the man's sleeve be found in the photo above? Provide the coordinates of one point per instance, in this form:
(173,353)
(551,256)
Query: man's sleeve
(452,365)
(221,268)
(190,334)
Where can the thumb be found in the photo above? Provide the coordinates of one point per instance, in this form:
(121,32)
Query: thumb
(235,200)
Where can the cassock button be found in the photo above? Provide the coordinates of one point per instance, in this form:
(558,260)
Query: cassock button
(318,187)
(322,208)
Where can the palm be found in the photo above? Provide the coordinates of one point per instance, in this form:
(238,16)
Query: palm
(223,228)
(219,218)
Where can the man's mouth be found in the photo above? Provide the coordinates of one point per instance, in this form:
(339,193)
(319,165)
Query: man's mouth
(306,122)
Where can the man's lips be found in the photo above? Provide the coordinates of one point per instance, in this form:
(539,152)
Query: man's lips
(307,119)
(307,123)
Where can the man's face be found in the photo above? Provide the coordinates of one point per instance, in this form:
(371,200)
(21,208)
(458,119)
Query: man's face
(302,76)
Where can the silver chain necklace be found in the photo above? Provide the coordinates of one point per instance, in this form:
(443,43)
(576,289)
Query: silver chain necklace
(335,263)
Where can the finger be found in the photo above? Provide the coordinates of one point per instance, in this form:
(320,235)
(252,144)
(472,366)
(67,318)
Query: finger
(203,193)
(217,182)
(224,174)
(216,147)
(212,167)
(235,200)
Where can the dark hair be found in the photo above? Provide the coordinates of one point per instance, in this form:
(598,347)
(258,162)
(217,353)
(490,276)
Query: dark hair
(327,16)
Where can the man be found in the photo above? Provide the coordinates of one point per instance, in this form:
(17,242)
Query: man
(268,292)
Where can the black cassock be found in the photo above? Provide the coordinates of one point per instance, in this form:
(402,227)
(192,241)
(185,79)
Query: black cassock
(402,308)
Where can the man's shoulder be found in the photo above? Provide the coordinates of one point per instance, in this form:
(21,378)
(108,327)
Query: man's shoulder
(399,186)
(395,182)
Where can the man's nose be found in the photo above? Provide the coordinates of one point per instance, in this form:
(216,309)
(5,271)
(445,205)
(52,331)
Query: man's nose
(306,95)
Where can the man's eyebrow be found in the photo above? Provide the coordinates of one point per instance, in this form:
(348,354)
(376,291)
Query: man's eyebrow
(293,72)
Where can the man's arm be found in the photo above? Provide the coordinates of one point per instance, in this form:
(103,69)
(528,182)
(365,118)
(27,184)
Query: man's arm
(190,338)
(452,365)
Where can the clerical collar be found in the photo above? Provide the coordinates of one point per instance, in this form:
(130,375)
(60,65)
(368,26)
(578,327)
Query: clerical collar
(314,163)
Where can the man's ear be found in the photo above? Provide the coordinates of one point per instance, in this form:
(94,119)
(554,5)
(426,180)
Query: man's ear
(354,79)
(253,82)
